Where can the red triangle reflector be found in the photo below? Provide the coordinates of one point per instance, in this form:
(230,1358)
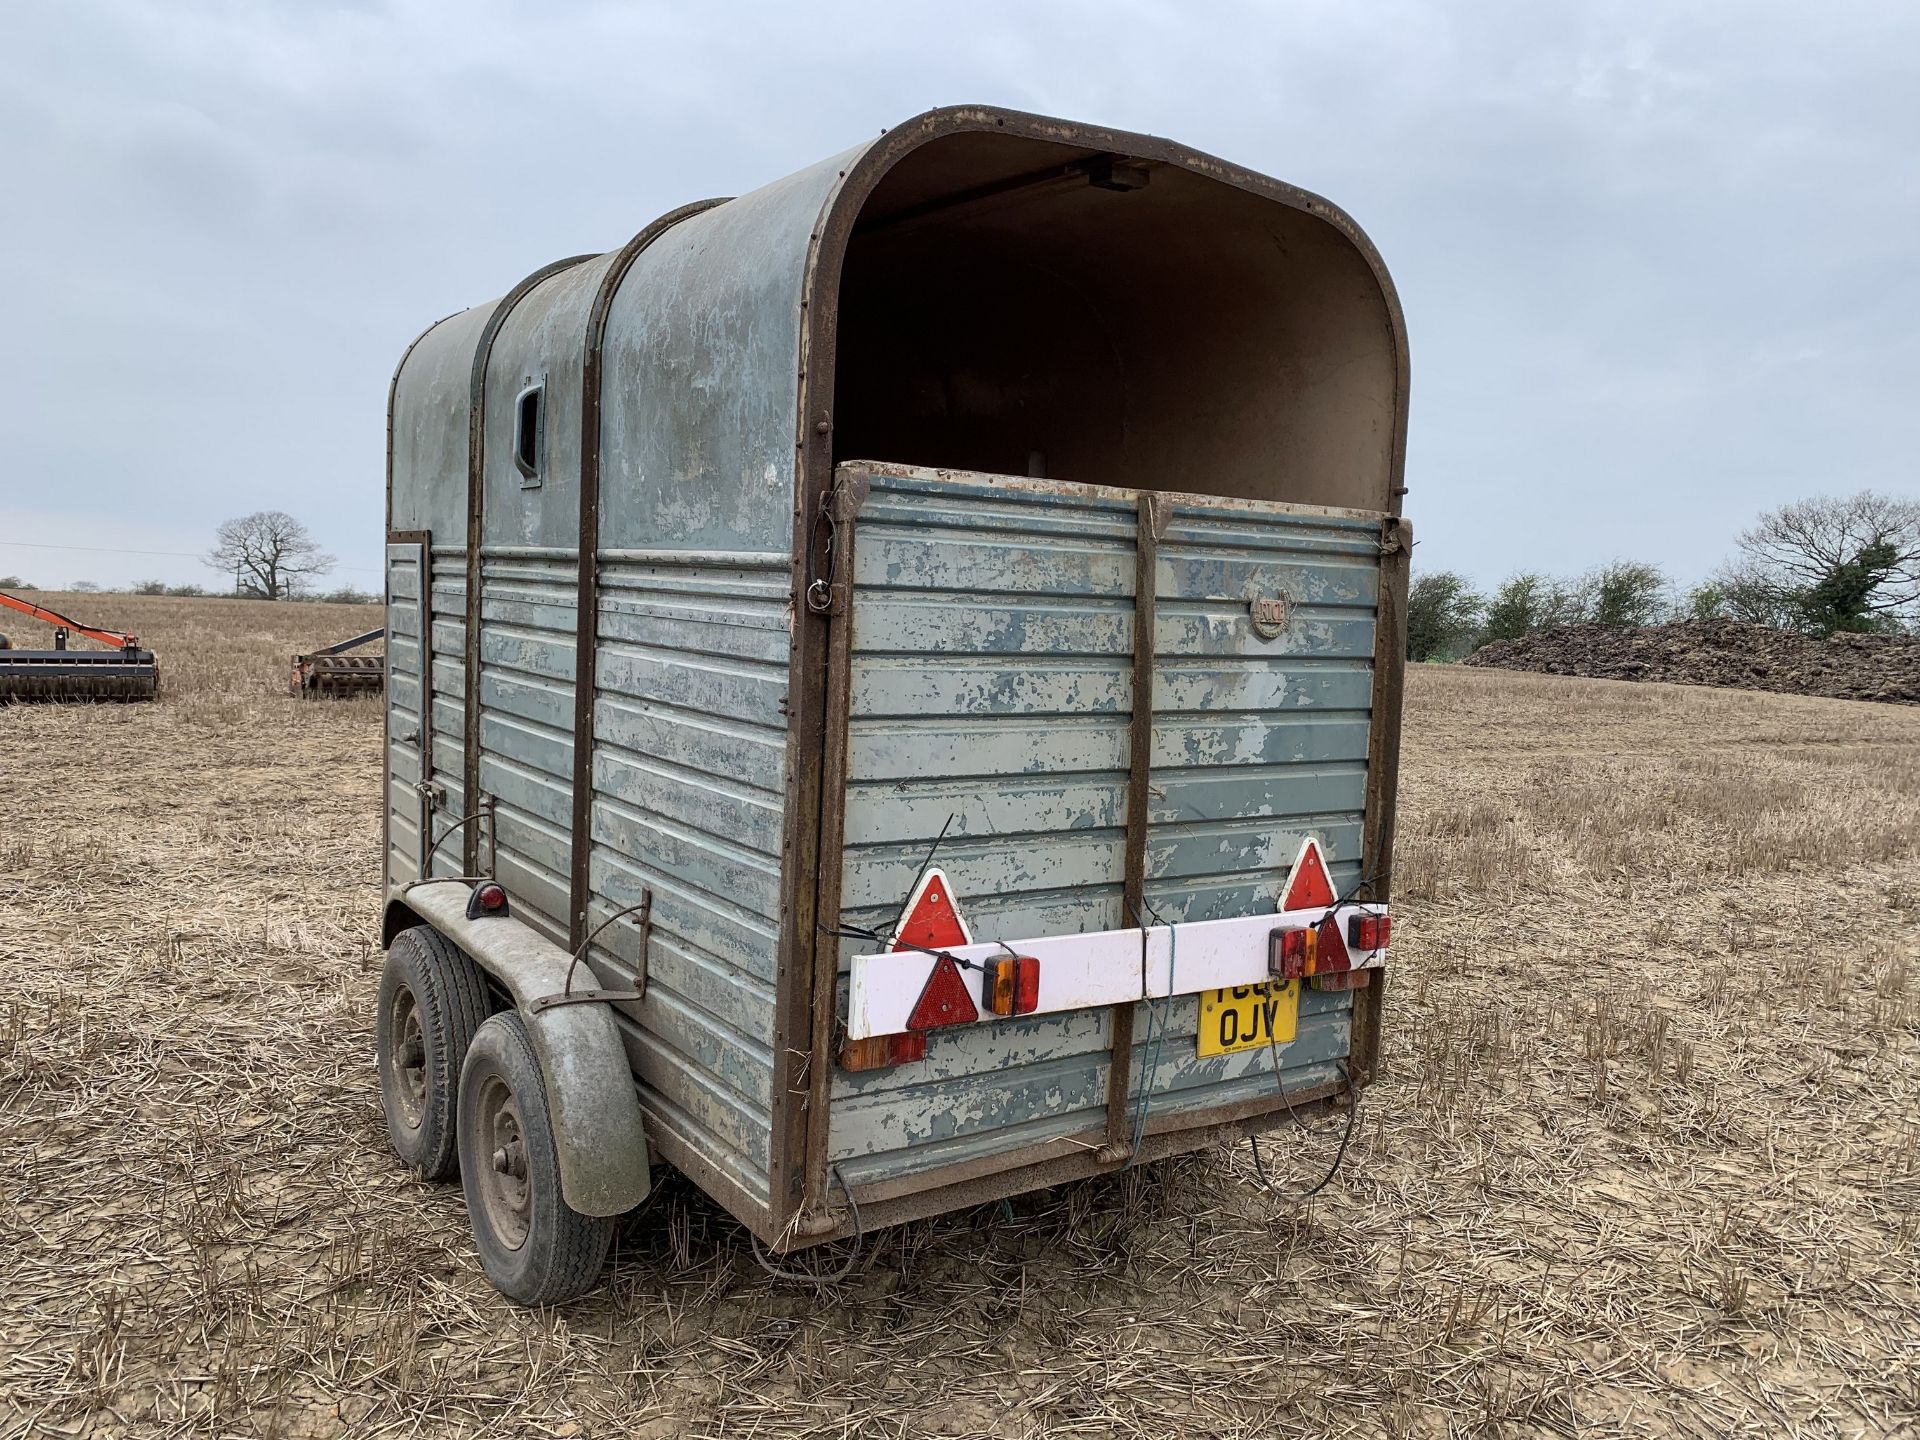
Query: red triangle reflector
(931,919)
(945,1001)
(1308,887)
(1333,956)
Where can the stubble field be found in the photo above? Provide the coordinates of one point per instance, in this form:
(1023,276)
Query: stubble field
(1646,1160)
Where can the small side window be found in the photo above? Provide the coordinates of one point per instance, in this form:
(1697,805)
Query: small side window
(530,435)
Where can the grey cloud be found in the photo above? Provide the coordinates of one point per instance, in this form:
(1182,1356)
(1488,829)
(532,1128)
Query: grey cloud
(1657,259)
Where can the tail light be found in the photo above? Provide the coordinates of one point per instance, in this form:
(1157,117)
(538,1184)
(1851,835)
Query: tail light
(1302,952)
(877,1052)
(1369,932)
(1011,985)
(1293,952)
(488,898)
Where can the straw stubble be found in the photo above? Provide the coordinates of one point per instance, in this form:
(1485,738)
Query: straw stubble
(1645,1161)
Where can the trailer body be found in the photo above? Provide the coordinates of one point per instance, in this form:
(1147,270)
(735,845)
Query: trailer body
(1005,496)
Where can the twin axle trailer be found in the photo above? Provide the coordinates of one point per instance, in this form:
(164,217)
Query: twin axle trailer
(893,692)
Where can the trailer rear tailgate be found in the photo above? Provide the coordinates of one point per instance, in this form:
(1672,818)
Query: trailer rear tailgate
(990,677)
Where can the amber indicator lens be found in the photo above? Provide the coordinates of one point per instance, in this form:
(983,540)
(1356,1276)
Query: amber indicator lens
(1010,985)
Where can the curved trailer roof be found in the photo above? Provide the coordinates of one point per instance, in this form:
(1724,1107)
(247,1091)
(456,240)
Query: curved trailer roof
(976,288)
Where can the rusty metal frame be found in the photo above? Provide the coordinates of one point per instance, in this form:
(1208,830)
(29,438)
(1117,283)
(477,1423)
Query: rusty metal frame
(845,501)
(672,1148)
(476,514)
(977,1182)
(808,960)
(1150,520)
(1383,768)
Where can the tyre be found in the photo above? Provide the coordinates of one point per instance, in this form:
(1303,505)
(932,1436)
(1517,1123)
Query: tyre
(535,1248)
(432,1001)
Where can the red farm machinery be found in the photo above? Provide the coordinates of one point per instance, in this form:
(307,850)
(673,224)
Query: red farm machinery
(119,672)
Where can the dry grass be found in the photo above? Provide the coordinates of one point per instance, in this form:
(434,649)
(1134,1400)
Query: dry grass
(1647,1161)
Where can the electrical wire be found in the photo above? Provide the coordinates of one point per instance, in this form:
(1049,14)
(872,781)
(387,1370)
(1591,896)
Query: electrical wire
(875,937)
(1280,1084)
(1346,1138)
(806,1277)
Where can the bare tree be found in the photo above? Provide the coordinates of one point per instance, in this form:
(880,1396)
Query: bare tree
(269,553)
(1837,563)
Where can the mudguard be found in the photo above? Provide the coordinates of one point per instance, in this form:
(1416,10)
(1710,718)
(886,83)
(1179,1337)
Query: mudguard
(597,1123)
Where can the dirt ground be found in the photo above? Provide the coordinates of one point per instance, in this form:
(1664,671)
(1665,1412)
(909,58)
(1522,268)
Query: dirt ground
(1646,1160)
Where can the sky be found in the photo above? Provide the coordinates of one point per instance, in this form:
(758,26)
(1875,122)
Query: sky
(1658,260)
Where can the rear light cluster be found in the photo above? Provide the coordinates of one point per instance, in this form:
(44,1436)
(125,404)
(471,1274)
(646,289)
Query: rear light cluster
(1009,986)
(1321,954)
(1295,953)
(1369,932)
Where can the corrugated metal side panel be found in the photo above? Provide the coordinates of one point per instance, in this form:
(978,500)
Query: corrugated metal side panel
(405,624)
(990,693)
(448,642)
(689,774)
(527,606)
(992,683)
(1256,744)
(435,635)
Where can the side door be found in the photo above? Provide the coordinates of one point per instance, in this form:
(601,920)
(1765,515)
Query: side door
(409,711)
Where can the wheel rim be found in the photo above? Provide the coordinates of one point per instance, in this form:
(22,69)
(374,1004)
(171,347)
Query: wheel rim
(505,1191)
(407,1058)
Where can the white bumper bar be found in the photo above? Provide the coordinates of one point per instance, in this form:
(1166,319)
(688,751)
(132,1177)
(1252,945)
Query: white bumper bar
(1107,967)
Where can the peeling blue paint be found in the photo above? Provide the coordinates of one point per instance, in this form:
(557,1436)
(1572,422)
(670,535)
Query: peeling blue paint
(992,688)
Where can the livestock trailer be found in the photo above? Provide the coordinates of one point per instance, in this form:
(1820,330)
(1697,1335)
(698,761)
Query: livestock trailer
(894,692)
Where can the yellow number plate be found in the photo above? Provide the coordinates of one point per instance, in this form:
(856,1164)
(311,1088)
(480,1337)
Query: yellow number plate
(1248,1017)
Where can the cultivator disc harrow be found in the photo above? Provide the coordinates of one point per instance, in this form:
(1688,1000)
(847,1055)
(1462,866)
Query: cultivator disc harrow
(104,676)
(122,671)
(332,673)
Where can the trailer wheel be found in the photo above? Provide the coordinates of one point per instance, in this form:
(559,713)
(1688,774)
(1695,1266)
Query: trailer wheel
(535,1248)
(432,1001)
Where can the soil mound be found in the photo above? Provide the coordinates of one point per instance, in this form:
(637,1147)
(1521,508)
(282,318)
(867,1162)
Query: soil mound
(1728,653)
